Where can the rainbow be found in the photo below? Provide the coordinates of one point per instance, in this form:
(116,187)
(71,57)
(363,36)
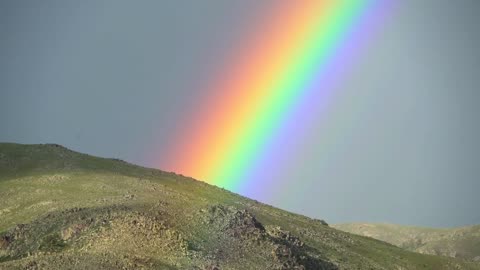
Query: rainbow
(282,79)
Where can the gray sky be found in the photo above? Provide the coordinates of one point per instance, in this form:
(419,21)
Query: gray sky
(110,78)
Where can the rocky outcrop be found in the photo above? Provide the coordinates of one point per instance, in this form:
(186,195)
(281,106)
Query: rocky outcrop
(286,250)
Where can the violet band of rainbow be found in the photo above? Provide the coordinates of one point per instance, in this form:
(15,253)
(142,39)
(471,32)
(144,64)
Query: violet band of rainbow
(290,67)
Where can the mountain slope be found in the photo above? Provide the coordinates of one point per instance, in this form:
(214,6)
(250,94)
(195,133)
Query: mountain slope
(62,209)
(461,242)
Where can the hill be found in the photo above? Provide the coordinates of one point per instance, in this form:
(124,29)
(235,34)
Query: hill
(62,209)
(461,242)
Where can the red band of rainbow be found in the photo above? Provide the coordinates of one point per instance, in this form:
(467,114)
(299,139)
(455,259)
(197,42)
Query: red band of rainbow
(291,60)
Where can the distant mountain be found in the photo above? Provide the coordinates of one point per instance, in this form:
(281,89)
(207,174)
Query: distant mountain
(64,210)
(461,242)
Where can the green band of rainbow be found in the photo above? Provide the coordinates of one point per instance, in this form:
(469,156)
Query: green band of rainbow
(299,43)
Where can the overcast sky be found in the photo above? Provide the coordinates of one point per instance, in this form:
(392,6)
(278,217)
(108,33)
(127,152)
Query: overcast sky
(110,78)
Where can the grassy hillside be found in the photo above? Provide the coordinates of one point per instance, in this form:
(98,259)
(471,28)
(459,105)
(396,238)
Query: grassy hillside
(461,242)
(62,209)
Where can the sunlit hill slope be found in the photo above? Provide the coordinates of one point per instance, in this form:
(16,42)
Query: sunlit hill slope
(461,242)
(60,209)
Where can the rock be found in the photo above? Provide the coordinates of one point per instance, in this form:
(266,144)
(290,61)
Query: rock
(211,267)
(237,223)
(129,196)
(321,221)
(284,236)
(5,241)
(284,258)
(72,231)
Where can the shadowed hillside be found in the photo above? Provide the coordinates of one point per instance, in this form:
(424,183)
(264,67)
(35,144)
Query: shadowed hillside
(62,209)
(461,242)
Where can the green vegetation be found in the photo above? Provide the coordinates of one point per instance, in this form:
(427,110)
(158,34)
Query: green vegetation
(461,242)
(61,209)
